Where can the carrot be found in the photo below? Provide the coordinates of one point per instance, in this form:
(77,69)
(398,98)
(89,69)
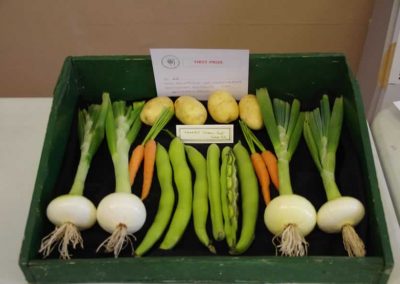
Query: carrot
(269,159)
(147,153)
(272,165)
(148,168)
(262,175)
(135,162)
(258,163)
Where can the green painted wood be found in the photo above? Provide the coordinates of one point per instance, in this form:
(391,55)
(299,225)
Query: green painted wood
(380,235)
(211,270)
(305,76)
(57,132)
(125,77)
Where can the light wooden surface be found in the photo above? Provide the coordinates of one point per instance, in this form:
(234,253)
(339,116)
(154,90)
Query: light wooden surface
(36,36)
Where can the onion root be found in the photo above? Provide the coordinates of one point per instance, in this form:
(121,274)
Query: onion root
(63,235)
(290,242)
(118,240)
(353,244)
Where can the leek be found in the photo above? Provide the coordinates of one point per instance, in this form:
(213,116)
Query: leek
(322,129)
(290,217)
(121,213)
(72,212)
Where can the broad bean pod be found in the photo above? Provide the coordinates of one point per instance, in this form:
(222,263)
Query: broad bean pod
(213,176)
(183,182)
(229,195)
(166,203)
(249,197)
(200,195)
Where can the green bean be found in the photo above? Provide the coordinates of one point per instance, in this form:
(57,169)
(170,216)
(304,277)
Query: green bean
(183,182)
(232,191)
(213,176)
(166,203)
(200,196)
(224,198)
(229,195)
(249,196)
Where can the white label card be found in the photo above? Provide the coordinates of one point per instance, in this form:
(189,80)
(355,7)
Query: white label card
(208,133)
(198,72)
(397,104)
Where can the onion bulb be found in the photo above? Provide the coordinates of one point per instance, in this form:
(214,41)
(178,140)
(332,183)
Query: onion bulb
(290,218)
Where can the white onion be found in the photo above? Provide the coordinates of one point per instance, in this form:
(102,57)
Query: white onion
(121,208)
(290,209)
(74,209)
(336,213)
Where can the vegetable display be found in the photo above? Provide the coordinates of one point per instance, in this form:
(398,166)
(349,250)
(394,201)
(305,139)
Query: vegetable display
(121,213)
(322,130)
(166,202)
(290,217)
(216,186)
(72,212)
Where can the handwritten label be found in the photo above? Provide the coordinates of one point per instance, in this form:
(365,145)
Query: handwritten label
(209,133)
(198,72)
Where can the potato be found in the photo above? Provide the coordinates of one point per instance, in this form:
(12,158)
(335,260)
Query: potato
(250,113)
(152,109)
(189,110)
(222,107)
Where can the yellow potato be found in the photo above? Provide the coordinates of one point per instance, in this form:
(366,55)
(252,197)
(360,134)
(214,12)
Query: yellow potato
(189,110)
(250,113)
(153,108)
(222,107)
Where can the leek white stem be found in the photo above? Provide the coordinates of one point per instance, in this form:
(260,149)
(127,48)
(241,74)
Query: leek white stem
(72,212)
(340,213)
(121,213)
(289,217)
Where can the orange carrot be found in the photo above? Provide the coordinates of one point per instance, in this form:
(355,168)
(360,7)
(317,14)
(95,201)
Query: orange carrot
(269,159)
(148,169)
(135,162)
(258,164)
(262,175)
(272,165)
(139,153)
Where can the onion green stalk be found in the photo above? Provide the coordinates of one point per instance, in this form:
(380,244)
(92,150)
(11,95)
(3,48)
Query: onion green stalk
(72,212)
(121,213)
(289,217)
(322,129)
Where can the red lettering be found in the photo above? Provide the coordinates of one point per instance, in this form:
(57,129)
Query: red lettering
(215,61)
(199,61)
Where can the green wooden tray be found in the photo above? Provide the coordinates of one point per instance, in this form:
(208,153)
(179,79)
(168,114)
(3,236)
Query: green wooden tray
(304,76)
